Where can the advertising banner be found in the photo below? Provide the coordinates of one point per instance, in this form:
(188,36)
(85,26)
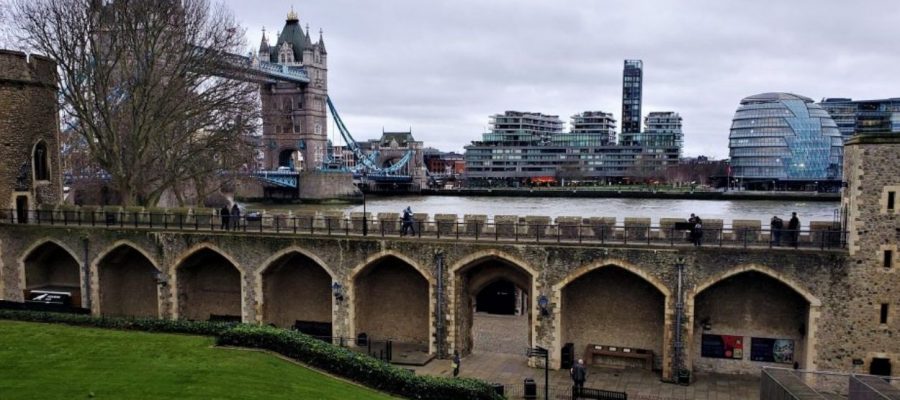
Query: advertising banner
(722,346)
(772,350)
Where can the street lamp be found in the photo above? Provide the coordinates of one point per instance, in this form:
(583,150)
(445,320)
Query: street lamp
(539,351)
(365,217)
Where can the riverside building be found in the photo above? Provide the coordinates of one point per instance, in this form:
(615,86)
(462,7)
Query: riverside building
(784,141)
(862,116)
(526,148)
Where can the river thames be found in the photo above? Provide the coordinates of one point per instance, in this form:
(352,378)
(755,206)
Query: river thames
(727,210)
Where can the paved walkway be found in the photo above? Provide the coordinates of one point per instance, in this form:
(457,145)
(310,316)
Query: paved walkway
(510,370)
(499,333)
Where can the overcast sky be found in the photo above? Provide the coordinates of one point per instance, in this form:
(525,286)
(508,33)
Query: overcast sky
(443,67)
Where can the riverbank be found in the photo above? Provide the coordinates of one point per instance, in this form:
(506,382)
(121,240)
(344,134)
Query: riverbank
(589,193)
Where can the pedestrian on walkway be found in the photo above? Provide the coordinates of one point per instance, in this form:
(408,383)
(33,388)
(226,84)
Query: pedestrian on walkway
(455,364)
(776,226)
(235,217)
(225,215)
(407,222)
(794,229)
(696,230)
(579,374)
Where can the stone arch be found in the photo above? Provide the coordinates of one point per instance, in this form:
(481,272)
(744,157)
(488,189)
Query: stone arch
(129,288)
(724,302)
(40,161)
(642,325)
(286,157)
(612,262)
(790,315)
(391,253)
(417,296)
(281,276)
(66,272)
(476,331)
(209,293)
(812,299)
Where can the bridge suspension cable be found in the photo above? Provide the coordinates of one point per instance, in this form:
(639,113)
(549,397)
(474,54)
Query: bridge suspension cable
(365,162)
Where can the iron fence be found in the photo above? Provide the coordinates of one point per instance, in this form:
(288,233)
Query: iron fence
(499,230)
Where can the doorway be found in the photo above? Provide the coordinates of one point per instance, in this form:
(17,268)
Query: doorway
(22,209)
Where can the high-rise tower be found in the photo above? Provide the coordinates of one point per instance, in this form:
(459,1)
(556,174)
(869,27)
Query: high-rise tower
(294,114)
(632,92)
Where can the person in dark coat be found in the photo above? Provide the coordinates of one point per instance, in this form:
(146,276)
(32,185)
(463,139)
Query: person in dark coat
(794,229)
(696,230)
(776,226)
(235,217)
(407,222)
(225,215)
(455,364)
(578,374)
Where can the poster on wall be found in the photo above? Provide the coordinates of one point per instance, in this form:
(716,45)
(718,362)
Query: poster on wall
(722,346)
(772,350)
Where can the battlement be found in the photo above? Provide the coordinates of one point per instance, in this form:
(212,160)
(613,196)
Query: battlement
(18,67)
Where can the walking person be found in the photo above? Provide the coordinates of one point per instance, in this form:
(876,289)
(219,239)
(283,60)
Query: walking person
(235,217)
(455,364)
(225,215)
(407,222)
(794,229)
(776,226)
(578,374)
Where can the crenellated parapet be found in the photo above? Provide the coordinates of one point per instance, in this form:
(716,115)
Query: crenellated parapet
(19,68)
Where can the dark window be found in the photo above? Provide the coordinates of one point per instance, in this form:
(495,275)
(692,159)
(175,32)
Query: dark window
(888,258)
(884,314)
(41,172)
(891,199)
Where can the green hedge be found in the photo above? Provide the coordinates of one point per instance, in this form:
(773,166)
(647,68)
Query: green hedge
(313,352)
(136,324)
(354,366)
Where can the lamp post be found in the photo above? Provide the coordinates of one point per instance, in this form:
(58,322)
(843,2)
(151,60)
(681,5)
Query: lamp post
(680,375)
(539,351)
(365,184)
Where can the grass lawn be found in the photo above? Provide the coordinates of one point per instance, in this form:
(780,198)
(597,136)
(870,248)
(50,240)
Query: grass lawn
(46,361)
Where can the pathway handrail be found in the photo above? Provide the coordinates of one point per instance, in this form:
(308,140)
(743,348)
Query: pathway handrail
(445,230)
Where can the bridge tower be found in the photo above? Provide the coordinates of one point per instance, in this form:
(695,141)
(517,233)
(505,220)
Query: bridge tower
(294,114)
(30,168)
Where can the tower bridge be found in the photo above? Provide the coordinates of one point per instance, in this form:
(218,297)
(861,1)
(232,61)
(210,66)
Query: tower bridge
(293,77)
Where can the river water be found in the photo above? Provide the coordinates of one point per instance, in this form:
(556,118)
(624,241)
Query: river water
(655,209)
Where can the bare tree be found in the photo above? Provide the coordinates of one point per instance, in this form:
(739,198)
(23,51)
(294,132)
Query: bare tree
(150,87)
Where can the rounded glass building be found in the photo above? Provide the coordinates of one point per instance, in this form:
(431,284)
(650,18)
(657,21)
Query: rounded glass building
(784,141)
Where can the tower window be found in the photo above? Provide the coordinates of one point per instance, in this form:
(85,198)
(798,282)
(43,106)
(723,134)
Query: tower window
(888,258)
(884,314)
(41,170)
(891,200)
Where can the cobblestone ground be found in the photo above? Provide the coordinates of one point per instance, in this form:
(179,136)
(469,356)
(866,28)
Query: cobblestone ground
(506,334)
(510,371)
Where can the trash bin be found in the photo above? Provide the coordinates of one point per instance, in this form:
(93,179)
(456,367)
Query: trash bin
(530,391)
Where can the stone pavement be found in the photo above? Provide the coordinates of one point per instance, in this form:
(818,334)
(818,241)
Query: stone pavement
(499,333)
(510,370)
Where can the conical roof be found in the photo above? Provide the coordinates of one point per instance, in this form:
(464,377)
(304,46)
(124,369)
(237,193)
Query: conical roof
(291,33)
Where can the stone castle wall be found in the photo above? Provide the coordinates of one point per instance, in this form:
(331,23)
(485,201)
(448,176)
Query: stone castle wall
(818,277)
(28,114)
(872,170)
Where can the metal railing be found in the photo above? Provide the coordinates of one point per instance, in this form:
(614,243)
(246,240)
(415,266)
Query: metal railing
(783,383)
(439,229)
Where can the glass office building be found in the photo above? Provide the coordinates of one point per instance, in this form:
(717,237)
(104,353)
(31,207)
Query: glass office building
(632,93)
(785,141)
(861,116)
